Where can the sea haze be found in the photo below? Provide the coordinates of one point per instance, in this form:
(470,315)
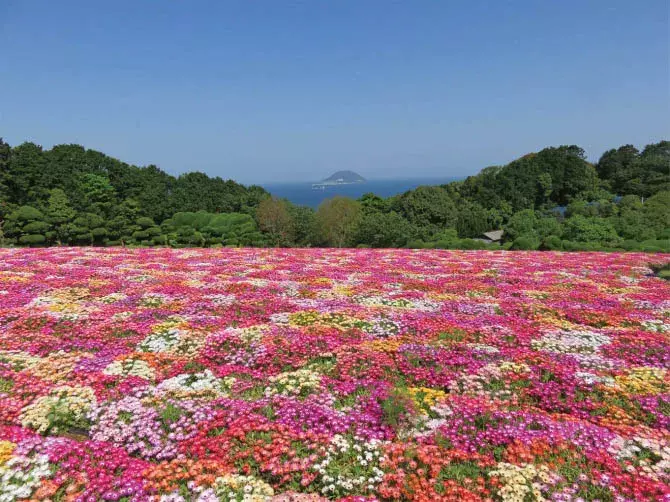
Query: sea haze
(302,193)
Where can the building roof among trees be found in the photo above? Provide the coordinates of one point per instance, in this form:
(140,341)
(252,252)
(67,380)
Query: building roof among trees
(494,235)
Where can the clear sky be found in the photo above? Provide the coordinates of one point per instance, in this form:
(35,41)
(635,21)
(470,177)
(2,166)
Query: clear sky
(266,90)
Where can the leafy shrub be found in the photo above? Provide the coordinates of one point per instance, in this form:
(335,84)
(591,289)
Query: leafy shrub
(526,242)
(552,243)
(32,239)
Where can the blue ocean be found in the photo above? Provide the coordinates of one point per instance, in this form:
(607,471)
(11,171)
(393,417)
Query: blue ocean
(303,194)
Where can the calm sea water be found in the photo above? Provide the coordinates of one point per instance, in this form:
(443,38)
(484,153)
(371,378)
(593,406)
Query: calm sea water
(303,194)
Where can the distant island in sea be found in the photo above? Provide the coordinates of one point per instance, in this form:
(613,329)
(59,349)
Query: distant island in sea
(340,178)
(312,194)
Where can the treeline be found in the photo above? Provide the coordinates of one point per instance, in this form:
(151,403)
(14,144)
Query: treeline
(553,199)
(70,195)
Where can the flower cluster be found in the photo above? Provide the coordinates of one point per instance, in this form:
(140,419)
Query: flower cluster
(63,407)
(294,383)
(351,465)
(309,375)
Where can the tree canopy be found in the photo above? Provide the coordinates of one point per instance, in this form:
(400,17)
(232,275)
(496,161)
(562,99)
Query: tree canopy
(551,199)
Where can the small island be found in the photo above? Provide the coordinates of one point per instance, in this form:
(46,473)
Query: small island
(340,178)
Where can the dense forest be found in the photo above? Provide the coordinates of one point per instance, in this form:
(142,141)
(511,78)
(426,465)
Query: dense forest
(553,199)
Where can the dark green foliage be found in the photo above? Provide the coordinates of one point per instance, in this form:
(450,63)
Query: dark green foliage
(628,171)
(428,207)
(26,225)
(60,215)
(552,243)
(526,242)
(523,223)
(5,152)
(89,229)
(371,203)
(551,200)
(551,176)
(303,224)
(656,211)
(88,198)
(473,220)
(189,229)
(383,230)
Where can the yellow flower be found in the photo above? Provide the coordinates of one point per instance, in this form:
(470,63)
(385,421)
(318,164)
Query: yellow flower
(425,397)
(514,367)
(644,380)
(66,402)
(387,345)
(6,449)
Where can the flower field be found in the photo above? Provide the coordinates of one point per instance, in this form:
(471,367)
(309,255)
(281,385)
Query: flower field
(306,375)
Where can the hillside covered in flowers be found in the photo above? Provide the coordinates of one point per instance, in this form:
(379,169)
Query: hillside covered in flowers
(305,375)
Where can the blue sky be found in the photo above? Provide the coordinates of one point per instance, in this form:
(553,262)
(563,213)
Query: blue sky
(269,90)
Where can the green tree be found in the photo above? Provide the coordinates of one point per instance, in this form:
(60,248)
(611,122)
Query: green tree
(545,188)
(383,230)
(626,171)
(5,152)
(473,220)
(27,226)
(548,226)
(26,167)
(616,165)
(584,229)
(303,224)
(374,203)
(97,194)
(526,242)
(550,176)
(146,232)
(656,211)
(152,191)
(60,215)
(523,223)
(122,224)
(90,229)
(274,219)
(429,207)
(337,219)
(207,229)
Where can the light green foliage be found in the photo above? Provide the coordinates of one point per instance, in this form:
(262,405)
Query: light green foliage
(337,221)
(97,194)
(523,223)
(274,219)
(584,229)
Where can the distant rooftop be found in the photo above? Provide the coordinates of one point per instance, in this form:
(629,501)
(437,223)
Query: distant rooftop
(494,235)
